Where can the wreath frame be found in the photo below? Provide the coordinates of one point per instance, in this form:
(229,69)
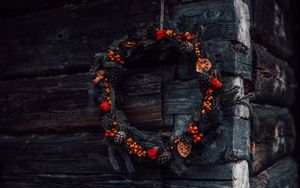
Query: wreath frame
(132,143)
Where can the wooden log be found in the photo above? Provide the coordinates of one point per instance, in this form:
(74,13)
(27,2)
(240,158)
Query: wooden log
(281,174)
(270,27)
(63,180)
(229,175)
(275,80)
(228,143)
(231,58)
(17,7)
(272,137)
(235,102)
(181,97)
(226,172)
(63,44)
(51,158)
(61,104)
(231,17)
(80,153)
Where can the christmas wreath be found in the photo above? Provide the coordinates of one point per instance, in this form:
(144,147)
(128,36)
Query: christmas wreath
(138,145)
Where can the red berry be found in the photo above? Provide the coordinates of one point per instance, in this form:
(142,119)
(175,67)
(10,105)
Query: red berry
(105,106)
(160,34)
(215,83)
(152,153)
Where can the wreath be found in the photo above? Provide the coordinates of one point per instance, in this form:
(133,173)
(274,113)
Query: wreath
(138,145)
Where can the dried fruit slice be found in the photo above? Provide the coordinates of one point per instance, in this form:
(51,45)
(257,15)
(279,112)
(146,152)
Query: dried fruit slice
(184,149)
(203,65)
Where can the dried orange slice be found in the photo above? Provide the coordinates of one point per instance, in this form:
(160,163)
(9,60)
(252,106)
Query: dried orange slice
(203,65)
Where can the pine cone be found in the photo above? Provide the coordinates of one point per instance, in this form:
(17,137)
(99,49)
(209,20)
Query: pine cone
(204,80)
(114,75)
(186,47)
(165,157)
(120,137)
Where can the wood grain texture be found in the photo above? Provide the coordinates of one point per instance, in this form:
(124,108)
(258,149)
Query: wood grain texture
(68,40)
(64,44)
(231,17)
(231,58)
(275,82)
(80,159)
(272,138)
(281,174)
(61,103)
(270,27)
(63,181)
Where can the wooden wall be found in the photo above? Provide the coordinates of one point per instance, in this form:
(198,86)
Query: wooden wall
(50,134)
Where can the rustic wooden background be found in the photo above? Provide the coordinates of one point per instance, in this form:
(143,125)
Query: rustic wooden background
(50,135)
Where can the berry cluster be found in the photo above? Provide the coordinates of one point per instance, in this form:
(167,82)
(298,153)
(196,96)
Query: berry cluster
(110,133)
(193,130)
(115,56)
(115,123)
(197,51)
(129,44)
(135,148)
(160,34)
(207,102)
(106,104)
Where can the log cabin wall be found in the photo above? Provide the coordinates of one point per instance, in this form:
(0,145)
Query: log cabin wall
(50,135)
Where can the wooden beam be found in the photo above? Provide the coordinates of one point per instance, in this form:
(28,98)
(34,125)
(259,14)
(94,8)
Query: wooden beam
(275,82)
(272,138)
(281,174)
(270,27)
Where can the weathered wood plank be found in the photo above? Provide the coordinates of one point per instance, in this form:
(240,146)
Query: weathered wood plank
(235,102)
(63,181)
(18,7)
(63,43)
(83,153)
(230,17)
(61,103)
(275,80)
(281,174)
(51,158)
(270,27)
(272,137)
(231,58)
(181,97)
(229,142)
(225,172)
(80,153)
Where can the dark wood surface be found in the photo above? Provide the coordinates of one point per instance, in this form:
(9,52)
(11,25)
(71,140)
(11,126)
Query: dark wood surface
(50,132)
(283,173)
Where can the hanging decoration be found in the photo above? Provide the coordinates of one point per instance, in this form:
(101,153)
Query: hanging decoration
(127,140)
